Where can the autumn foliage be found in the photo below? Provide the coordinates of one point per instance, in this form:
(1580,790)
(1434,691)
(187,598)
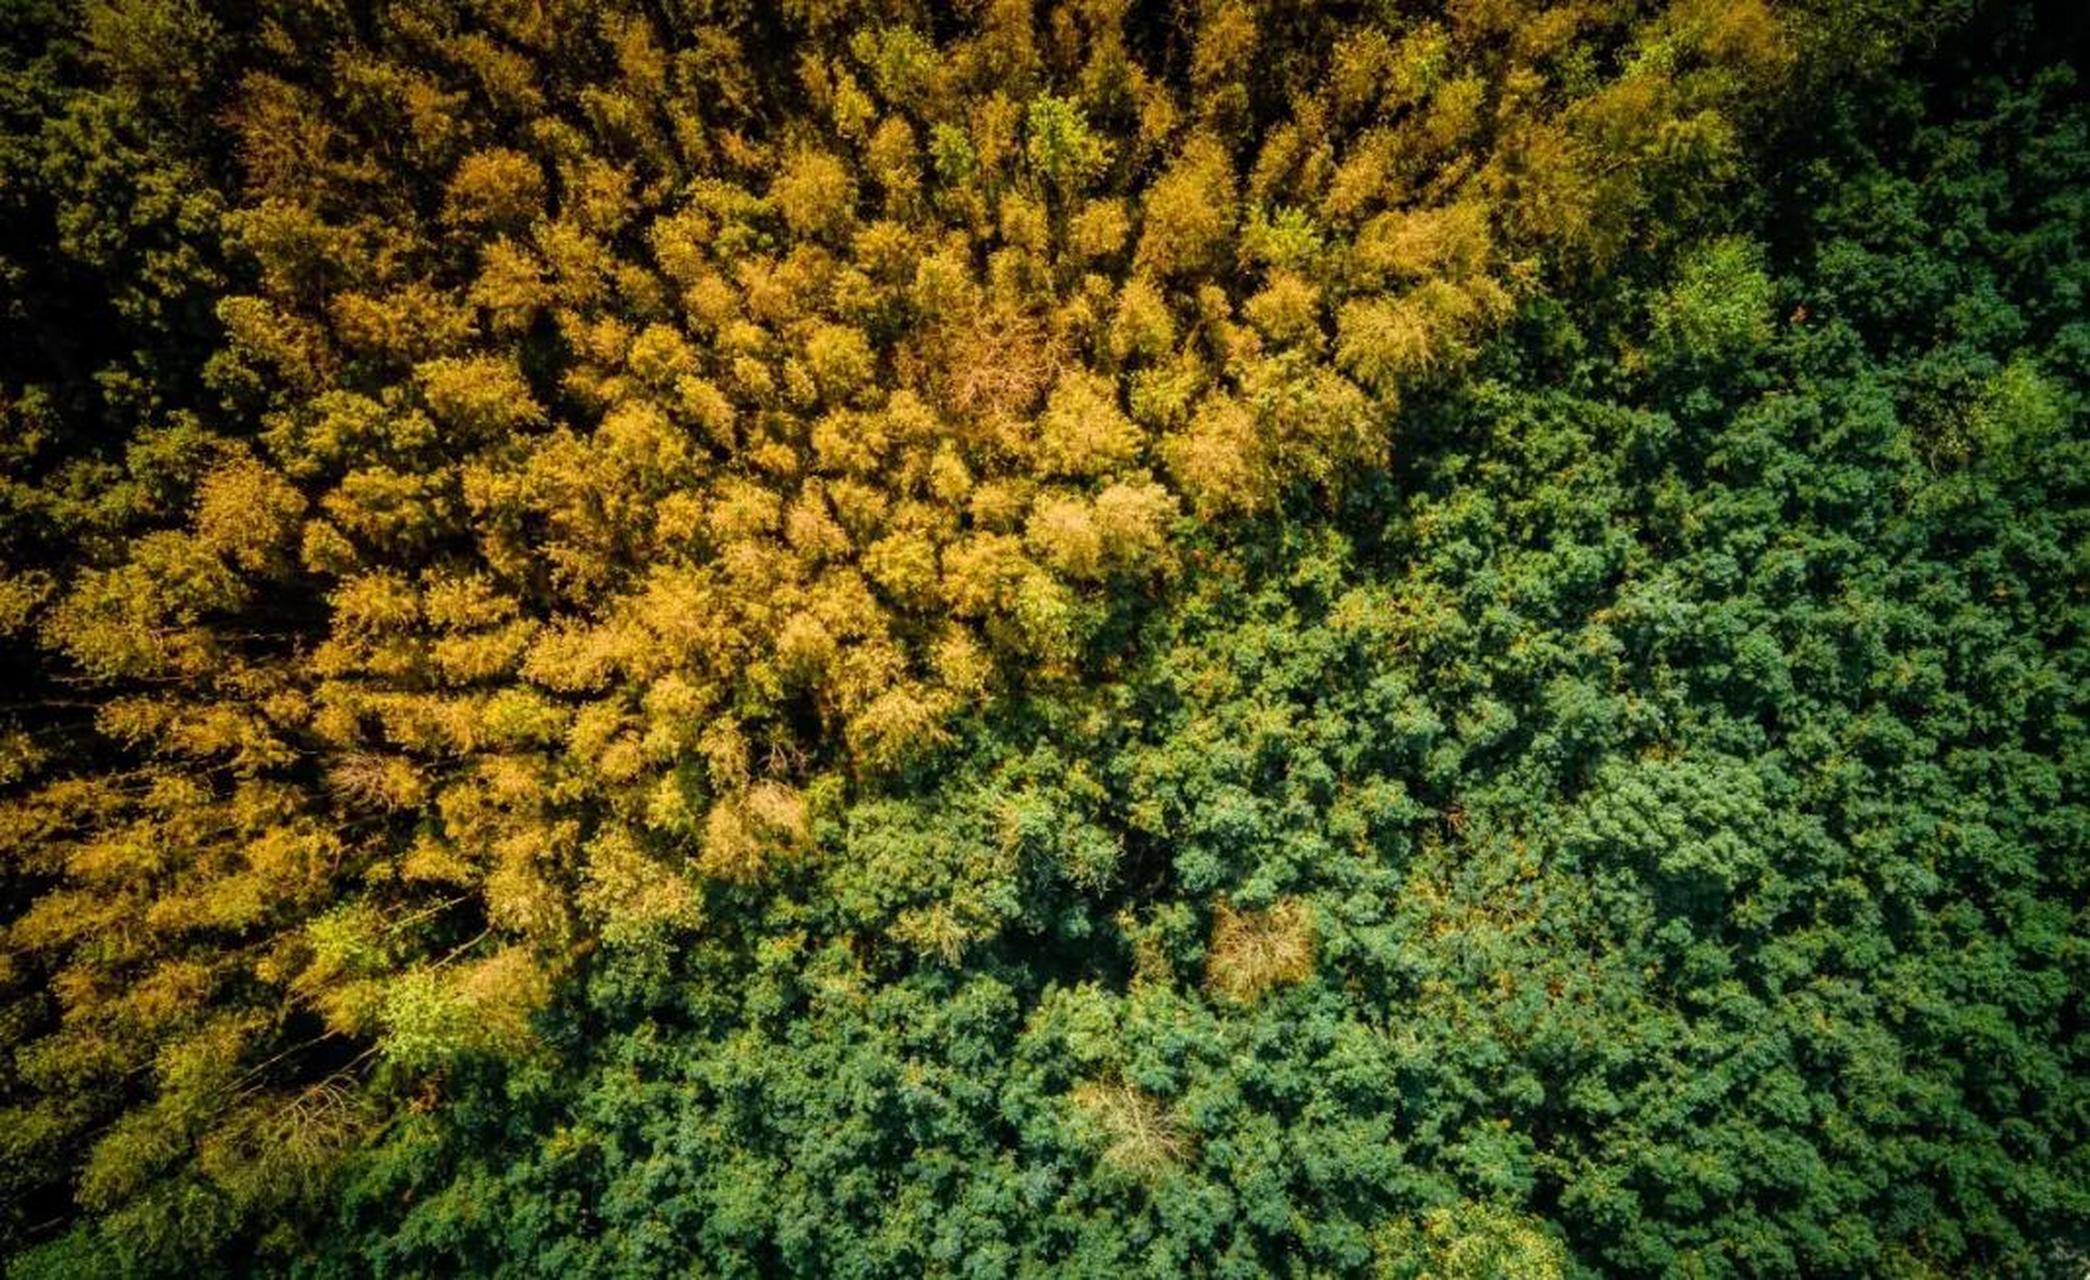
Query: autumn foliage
(502,502)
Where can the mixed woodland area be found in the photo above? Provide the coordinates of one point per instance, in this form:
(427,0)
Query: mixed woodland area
(1092,638)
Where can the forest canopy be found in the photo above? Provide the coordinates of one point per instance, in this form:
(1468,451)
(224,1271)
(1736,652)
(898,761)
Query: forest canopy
(1044,637)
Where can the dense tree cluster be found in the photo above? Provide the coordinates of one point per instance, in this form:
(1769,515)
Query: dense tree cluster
(1083,638)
